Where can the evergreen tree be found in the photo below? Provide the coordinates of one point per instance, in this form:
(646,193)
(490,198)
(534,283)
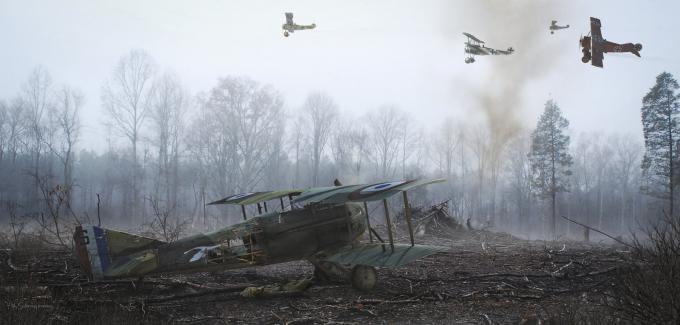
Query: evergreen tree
(660,113)
(549,156)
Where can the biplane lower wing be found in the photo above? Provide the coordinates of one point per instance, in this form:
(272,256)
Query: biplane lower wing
(597,55)
(383,255)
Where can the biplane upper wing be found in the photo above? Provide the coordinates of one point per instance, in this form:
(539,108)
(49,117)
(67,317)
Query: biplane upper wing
(597,42)
(473,38)
(359,193)
(255,197)
(289,18)
(377,254)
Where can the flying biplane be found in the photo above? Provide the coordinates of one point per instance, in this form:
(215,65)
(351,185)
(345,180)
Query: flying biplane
(593,46)
(554,26)
(321,225)
(291,27)
(474,46)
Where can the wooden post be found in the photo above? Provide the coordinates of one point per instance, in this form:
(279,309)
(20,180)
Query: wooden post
(368,223)
(243,210)
(407,215)
(389,224)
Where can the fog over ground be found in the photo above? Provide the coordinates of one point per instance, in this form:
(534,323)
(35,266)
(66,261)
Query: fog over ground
(363,54)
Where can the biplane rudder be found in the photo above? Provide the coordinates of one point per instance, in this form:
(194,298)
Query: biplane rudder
(98,248)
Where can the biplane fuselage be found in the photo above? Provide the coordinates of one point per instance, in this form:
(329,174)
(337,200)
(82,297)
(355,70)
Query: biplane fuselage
(269,238)
(322,225)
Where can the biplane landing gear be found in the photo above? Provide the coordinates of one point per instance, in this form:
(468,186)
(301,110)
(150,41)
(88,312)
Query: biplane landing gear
(285,34)
(552,32)
(469,60)
(586,56)
(363,277)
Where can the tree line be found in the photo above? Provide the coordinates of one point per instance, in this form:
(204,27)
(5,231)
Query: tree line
(169,152)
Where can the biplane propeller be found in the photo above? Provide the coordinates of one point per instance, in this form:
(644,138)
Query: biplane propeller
(593,46)
(475,46)
(290,26)
(322,225)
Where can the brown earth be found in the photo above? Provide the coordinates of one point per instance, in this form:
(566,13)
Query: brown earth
(485,278)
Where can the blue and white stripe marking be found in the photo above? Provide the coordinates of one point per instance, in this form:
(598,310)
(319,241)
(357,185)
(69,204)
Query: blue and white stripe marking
(97,250)
(380,187)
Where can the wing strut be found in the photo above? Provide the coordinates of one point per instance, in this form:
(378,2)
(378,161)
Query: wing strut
(389,224)
(407,214)
(243,210)
(368,223)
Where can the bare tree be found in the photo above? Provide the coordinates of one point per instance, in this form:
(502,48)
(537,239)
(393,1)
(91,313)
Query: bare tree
(126,98)
(446,144)
(627,159)
(169,104)
(360,147)
(386,134)
(66,116)
(341,145)
(37,100)
(239,123)
(321,113)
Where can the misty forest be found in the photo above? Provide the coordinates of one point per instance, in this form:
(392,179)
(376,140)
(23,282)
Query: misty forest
(538,222)
(169,152)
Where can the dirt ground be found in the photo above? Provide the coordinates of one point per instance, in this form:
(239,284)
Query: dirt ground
(485,278)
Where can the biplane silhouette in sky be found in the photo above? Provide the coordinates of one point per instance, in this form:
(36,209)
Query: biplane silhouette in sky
(593,46)
(475,46)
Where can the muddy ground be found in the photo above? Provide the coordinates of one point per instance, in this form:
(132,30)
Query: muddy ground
(485,278)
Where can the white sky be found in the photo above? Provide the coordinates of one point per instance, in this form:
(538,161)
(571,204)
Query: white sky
(363,53)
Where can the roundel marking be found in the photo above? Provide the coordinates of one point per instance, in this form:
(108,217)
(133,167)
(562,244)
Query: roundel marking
(380,187)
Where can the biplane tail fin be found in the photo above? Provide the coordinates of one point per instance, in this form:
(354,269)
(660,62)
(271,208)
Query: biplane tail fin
(98,248)
(636,49)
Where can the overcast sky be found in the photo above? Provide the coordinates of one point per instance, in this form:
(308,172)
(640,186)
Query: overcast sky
(362,53)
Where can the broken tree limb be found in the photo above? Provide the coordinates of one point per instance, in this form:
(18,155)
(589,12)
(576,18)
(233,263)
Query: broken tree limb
(197,294)
(601,232)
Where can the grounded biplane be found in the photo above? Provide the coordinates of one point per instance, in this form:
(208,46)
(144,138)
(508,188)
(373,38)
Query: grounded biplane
(321,225)
(474,46)
(291,27)
(593,46)
(554,26)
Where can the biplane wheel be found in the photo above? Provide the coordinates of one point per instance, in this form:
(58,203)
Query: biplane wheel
(363,277)
(285,34)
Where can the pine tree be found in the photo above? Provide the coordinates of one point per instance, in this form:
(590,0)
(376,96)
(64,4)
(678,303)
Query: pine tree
(660,125)
(549,156)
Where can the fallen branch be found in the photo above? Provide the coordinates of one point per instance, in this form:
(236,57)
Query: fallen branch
(601,232)
(196,294)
